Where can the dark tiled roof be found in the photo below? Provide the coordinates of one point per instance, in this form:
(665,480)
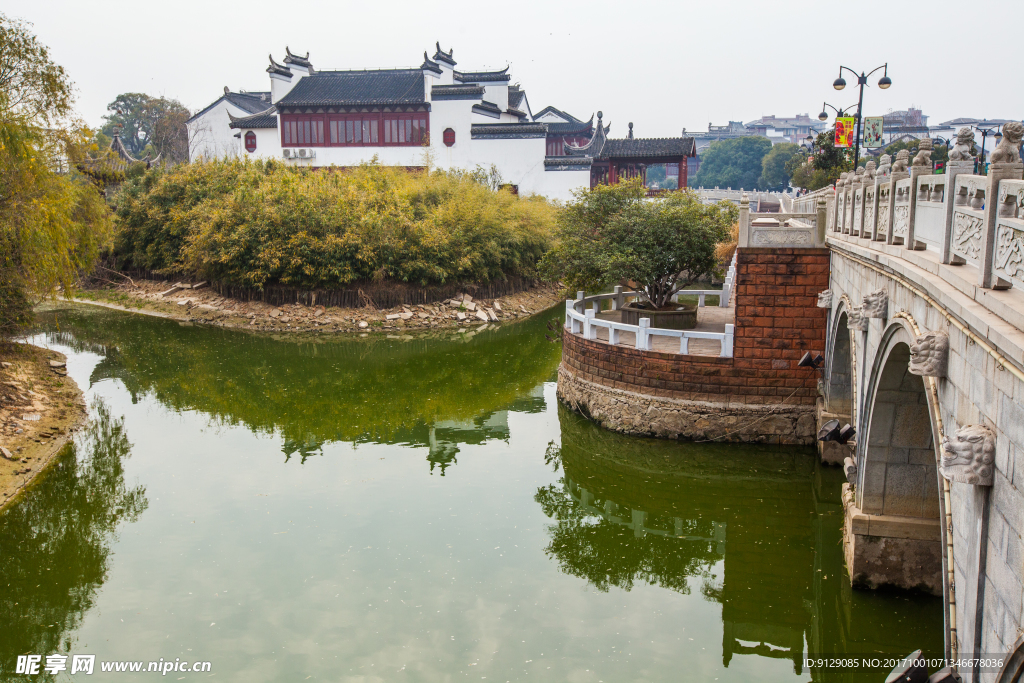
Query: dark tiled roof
(487,108)
(297,60)
(387,86)
(515,96)
(250,102)
(567,163)
(578,128)
(517,112)
(442,56)
(557,112)
(263,119)
(482,76)
(648,147)
(456,92)
(508,130)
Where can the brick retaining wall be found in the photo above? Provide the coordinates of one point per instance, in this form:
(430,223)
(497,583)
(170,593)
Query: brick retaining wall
(777,321)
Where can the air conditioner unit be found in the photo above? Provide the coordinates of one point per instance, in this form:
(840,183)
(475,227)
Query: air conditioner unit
(299,153)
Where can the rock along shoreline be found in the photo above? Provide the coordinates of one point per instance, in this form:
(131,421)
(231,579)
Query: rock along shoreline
(199,304)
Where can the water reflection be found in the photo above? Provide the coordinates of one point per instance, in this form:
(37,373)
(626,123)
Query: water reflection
(436,392)
(757,528)
(56,542)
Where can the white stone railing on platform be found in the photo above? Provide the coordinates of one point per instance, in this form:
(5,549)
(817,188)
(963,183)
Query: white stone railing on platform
(581,317)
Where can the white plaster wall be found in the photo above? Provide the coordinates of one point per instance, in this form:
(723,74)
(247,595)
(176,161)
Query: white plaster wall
(210,135)
(268,143)
(560,184)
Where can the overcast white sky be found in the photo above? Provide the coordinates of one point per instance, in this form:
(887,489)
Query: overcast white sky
(662,65)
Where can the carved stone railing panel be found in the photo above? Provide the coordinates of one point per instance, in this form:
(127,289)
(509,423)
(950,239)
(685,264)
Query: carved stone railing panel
(858,214)
(841,212)
(882,222)
(782,236)
(930,213)
(901,211)
(968,219)
(1008,264)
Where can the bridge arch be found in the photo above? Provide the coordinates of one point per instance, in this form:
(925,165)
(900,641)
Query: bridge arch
(841,382)
(896,460)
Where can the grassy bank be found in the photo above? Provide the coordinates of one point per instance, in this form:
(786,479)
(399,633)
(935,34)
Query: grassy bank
(255,224)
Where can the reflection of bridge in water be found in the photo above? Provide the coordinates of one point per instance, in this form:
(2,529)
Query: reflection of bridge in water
(758,527)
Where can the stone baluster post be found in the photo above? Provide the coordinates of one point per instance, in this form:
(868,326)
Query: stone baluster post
(1012,170)
(727,343)
(894,177)
(617,300)
(822,220)
(589,329)
(857,206)
(876,227)
(912,241)
(953,169)
(643,339)
(744,238)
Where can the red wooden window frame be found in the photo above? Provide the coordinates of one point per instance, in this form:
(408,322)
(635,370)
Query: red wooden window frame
(449,137)
(371,129)
(250,142)
(302,130)
(353,130)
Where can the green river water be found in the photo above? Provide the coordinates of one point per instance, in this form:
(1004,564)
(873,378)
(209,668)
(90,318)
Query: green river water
(415,509)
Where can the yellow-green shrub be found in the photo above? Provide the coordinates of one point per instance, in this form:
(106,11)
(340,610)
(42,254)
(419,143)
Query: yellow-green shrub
(258,223)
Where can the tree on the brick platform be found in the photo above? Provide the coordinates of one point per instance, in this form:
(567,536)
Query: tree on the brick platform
(612,233)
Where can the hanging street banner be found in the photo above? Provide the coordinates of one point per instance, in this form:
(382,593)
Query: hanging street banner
(873,132)
(844,131)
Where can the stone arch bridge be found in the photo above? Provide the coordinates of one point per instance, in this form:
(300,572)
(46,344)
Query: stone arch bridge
(924,356)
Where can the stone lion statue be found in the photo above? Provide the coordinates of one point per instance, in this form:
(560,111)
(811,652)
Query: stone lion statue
(1008,149)
(963,150)
(842,180)
(929,354)
(969,456)
(884,164)
(924,153)
(902,158)
(825,299)
(875,304)
(869,170)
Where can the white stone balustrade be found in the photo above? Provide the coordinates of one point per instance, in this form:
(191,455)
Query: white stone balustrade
(581,317)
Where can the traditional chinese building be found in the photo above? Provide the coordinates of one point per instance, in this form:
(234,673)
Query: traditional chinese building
(621,159)
(433,114)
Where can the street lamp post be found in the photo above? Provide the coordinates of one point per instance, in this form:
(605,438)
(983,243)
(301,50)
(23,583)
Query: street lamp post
(884,82)
(985,130)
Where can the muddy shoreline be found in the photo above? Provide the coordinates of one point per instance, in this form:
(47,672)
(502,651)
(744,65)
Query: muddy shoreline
(40,410)
(203,305)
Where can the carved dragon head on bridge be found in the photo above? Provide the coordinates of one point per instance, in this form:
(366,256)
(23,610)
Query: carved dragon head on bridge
(969,456)
(929,354)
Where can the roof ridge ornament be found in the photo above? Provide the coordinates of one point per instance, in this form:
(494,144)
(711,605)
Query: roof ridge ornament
(278,69)
(442,56)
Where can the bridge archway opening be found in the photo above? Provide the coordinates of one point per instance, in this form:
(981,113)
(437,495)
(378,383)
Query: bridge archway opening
(840,376)
(899,476)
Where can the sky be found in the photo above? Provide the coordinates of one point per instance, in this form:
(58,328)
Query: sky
(663,65)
